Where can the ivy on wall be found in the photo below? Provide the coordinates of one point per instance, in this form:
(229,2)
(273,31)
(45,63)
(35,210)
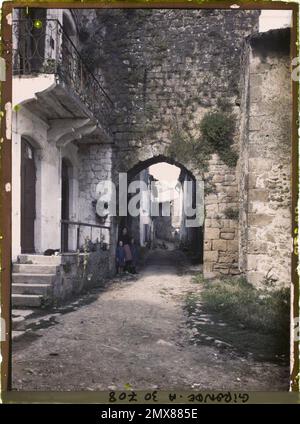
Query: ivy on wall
(216,131)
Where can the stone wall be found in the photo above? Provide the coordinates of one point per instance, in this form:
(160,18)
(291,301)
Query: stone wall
(96,163)
(221,222)
(158,77)
(161,79)
(164,80)
(265,160)
(79,272)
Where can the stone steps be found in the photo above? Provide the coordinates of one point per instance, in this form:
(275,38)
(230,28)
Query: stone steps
(39,260)
(34,269)
(32,278)
(39,289)
(27,300)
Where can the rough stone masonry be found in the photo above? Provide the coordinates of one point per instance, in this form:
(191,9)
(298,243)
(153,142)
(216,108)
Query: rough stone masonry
(164,68)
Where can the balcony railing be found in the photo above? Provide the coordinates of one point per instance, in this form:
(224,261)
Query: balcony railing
(86,234)
(43,47)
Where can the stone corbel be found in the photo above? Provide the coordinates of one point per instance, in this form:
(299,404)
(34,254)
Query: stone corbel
(75,134)
(60,128)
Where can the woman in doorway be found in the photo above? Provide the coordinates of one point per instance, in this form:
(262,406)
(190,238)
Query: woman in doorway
(125,238)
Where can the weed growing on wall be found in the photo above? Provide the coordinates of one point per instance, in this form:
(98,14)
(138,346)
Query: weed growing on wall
(216,131)
(231,213)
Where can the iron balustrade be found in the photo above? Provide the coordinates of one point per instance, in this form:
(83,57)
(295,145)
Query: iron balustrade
(78,224)
(47,49)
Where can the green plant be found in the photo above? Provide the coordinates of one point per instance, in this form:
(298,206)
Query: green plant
(161,44)
(209,190)
(224,105)
(49,66)
(229,157)
(217,129)
(46,301)
(188,148)
(231,213)
(198,279)
(150,110)
(263,309)
(67,267)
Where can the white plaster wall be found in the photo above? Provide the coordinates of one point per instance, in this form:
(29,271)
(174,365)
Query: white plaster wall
(48,159)
(48,186)
(24,88)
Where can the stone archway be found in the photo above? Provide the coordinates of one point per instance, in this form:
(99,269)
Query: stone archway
(220,250)
(142,164)
(192,237)
(221,232)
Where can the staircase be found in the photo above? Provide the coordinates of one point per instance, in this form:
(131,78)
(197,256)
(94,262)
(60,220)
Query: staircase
(33,278)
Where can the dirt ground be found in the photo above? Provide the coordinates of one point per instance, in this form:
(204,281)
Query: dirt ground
(136,332)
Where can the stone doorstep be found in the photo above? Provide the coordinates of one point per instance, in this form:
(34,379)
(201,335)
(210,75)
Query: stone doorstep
(39,260)
(35,268)
(33,278)
(27,300)
(26,288)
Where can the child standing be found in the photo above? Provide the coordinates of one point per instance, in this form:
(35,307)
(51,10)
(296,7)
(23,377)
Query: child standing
(120,257)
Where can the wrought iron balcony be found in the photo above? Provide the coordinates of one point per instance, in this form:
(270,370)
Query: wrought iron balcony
(42,47)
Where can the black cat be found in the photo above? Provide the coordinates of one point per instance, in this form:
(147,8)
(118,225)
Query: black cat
(50,252)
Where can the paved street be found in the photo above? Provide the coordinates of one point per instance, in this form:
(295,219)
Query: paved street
(134,332)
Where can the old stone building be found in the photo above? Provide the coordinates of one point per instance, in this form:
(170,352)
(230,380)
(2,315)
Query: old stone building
(162,83)
(111,93)
(57,101)
(265,159)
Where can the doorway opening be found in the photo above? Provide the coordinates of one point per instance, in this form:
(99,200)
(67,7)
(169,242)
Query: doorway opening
(28,196)
(162,218)
(66,169)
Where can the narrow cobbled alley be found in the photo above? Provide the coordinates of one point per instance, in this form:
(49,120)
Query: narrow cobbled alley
(135,332)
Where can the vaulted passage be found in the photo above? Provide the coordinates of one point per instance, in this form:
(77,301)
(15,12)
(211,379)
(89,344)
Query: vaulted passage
(167,216)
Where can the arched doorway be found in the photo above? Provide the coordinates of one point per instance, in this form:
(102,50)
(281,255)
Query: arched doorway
(28,196)
(190,239)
